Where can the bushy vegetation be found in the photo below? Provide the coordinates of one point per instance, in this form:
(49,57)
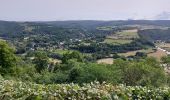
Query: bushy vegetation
(75,68)
(91,91)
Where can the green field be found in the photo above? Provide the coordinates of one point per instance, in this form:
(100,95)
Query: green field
(116,41)
(132,53)
(128,34)
(123,37)
(105,28)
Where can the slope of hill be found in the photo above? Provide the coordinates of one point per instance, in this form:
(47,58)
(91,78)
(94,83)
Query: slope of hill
(156,34)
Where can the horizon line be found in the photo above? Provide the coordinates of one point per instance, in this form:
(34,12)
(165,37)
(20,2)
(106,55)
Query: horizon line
(84,20)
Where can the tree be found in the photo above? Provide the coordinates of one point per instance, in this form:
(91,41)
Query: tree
(89,72)
(141,54)
(147,72)
(73,55)
(166,60)
(7,59)
(40,61)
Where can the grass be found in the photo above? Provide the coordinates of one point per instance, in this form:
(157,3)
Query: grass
(54,60)
(123,37)
(158,54)
(150,52)
(132,53)
(129,34)
(105,61)
(116,41)
(165,46)
(108,28)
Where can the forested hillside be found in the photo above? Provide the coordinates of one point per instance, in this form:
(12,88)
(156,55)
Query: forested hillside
(156,34)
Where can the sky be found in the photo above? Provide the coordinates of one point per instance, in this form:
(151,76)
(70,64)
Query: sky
(52,10)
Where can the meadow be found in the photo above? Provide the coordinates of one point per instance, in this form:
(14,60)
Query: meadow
(123,37)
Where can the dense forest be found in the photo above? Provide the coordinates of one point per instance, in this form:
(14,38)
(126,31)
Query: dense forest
(156,34)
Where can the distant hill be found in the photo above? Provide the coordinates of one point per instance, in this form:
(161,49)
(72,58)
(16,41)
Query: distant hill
(93,24)
(156,34)
(10,27)
(74,28)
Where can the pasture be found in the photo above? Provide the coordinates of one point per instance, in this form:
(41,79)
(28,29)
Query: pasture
(116,41)
(123,37)
(133,53)
(105,61)
(158,54)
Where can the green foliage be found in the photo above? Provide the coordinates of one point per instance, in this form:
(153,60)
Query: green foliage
(40,61)
(77,68)
(29,91)
(143,72)
(155,34)
(73,55)
(88,72)
(146,72)
(45,77)
(7,59)
(26,73)
(12,90)
(166,59)
(141,54)
(140,93)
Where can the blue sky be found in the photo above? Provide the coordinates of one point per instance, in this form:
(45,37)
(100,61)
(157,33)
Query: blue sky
(51,10)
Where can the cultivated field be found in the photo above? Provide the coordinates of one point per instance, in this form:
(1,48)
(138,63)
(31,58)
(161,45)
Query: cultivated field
(158,54)
(123,37)
(116,41)
(105,61)
(132,53)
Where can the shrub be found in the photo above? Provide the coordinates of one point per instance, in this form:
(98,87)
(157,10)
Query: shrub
(12,90)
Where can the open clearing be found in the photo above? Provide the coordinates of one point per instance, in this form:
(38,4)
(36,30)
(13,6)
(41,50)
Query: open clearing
(129,34)
(150,52)
(54,60)
(116,41)
(163,45)
(133,53)
(105,61)
(158,54)
(123,37)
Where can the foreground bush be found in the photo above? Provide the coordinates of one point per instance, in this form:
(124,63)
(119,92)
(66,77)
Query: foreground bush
(92,91)
(29,91)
